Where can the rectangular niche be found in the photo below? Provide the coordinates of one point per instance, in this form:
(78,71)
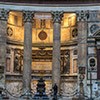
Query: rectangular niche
(41,67)
(74,65)
(1,69)
(8,64)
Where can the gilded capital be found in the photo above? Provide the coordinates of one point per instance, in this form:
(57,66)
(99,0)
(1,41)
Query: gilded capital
(4,14)
(82,15)
(57,16)
(28,16)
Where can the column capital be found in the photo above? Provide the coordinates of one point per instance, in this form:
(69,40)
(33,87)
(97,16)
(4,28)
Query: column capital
(82,15)
(57,16)
(4,14)
(28,16)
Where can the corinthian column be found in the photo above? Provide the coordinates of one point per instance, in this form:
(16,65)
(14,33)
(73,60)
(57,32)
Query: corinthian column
(3,37)
(28,18)
(57,16)
(82,17)
(82,37)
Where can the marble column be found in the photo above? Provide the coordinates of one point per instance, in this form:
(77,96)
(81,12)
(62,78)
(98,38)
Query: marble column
(3,45)
(82,17)
(57,16)
(27,57)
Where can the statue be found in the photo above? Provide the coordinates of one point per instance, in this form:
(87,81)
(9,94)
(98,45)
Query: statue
(41,87)
(41,90)
(55,91)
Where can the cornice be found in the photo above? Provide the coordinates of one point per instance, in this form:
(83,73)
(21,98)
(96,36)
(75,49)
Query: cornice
(52,2)
(69,43)
(49,7)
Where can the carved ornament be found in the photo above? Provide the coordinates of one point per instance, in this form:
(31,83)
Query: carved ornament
(82,15)
(28,16)
(57,16)
(4,14)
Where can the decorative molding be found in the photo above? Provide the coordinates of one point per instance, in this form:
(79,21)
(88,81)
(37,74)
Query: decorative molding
(42,35)
(81,70)
(28,16)
(9,31)
(57,16)
(42,45)
(4,14)
(74,33)
(82,15)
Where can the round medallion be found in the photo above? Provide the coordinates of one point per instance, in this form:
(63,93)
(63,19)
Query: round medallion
(74,32)
(42,35)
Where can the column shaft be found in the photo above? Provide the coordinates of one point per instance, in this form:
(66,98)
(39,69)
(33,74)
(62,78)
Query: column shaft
(56,55)
(82,46)
(82,49)
(57,16)
(27,51)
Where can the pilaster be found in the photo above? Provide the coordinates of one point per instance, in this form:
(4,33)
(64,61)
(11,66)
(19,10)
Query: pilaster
(82,17)
(3,28)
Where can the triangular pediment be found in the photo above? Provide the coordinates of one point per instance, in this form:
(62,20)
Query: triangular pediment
(97,34)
